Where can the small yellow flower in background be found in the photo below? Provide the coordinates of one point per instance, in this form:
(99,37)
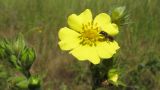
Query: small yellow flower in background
(84,38)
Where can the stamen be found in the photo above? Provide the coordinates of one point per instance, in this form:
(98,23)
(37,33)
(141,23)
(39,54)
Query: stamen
(90,34)
(86,26)
(89,24)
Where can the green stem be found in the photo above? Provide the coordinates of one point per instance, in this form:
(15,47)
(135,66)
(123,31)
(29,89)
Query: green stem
(99,72)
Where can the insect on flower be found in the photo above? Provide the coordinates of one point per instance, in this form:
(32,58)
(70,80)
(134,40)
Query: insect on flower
(107,36)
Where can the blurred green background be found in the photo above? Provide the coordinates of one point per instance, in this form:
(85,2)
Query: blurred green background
(40,20)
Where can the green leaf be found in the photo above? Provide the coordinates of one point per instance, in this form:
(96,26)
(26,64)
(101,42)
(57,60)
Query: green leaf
(122,84)
(3,74)
(23,84)
(2,52)
(16,79)
(8,47)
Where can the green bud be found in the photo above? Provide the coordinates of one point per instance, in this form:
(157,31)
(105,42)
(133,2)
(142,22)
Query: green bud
(19,44)
(19,81)
(13,59)
(27,57)
(34,80)
(118,13)
(3,47)
(113,76)
(15,62)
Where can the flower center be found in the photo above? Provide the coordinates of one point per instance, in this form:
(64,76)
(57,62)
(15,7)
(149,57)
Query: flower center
(90,34)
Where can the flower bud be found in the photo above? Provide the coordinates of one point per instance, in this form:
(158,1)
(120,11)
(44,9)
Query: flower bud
(119,16)
(19,81)
(5,48)
(27,57)
(118,13)
(15,62)
(113,76)
(8,47)
(13,59)
(19,44)
(34,81)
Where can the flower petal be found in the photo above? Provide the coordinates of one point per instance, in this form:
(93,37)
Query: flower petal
(102,19)
(106,49)
(69,45)
(115,45)
(76,21)
(86,16)
(86,52)
(66,33)
(69,39)
(111,29)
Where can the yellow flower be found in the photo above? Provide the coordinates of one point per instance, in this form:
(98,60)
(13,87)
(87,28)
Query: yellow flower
(84,39)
